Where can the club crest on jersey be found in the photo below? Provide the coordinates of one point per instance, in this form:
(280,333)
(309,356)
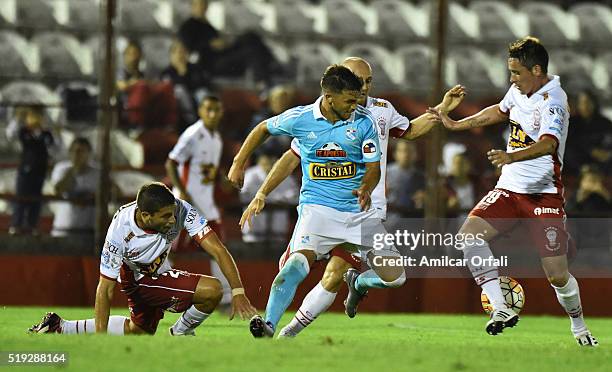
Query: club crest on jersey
(332,170)
(350,133)
(381,123)
(330,150)
(369,149)
(551,238)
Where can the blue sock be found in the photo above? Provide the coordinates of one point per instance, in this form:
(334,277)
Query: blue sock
(283,288)
(369,279)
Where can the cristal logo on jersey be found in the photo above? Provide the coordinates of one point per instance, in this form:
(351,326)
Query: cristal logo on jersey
(330,150)
(332,170)
(518,138)
(369,149)
(350,133)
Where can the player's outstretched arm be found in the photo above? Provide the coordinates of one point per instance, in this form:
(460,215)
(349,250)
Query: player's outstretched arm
(425,122)
(240,303)
(547,145)
(280,171)
(104,295)
(488,116)
(253,140)
(368,183)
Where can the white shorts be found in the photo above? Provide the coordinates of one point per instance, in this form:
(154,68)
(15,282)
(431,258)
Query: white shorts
(320,229)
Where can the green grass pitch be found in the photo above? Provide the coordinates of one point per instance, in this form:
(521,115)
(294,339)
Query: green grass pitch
(370,342)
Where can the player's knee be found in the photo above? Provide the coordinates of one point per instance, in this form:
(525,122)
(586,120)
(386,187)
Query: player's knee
(295,269)
(334,272)
(216,291)
(558,279)
(395,280)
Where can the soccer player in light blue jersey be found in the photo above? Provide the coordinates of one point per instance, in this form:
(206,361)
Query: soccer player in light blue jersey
(342,264)
(340,159)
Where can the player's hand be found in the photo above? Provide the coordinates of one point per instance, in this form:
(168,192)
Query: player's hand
(236,175)
(242,306)
(452,98)
(363,196)
(253,209)
(443,117)
(499,158)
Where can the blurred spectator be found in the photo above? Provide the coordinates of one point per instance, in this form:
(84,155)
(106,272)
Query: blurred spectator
(220,57)
(589,140)
(405,183)
(130,73)
(461,190)
(75,179)
(280,98)
(592,205)
(28,127)
(271,224)
(190,83)
(145,104)
(592,196)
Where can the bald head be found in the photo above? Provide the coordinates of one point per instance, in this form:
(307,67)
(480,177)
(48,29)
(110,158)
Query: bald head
(363,70)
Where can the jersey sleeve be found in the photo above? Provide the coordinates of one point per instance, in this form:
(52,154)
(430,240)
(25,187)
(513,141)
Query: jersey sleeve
(111,258)
(283,124)
(399,123)
(553,120)
(194,223)
(370,148)
(506,102)
(181,152)
(295,147)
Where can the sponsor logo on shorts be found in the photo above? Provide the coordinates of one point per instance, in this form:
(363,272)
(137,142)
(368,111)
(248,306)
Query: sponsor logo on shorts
(305,239)
(545,210)
(332,170)
(330,150)
(551,238)
(369,149)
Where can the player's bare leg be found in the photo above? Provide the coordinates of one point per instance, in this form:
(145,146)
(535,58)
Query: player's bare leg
(568,294)
(53,323)
(486,276)
(283,288)
(207,296)
(319,299)
(379,276)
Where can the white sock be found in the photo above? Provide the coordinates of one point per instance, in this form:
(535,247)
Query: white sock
(215,270)
(316,301)
(569,298)
(189,320)
(486,274)
(115,326)
(75,327)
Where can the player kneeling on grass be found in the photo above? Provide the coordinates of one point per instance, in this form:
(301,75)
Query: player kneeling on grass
(137,245)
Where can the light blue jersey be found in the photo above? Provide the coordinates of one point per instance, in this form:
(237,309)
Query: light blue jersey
(333,155)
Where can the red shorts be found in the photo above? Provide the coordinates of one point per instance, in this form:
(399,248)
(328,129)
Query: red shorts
(543,215)
(148,298)
(185,244)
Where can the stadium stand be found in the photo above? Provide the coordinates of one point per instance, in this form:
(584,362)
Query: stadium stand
(551,23)
(400,21)
(19,58)
(63,56)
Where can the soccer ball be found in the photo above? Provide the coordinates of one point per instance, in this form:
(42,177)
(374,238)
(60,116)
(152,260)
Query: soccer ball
(513,295)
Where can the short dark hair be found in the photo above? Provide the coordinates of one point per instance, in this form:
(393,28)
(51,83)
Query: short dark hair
(210,97)
(338,78)
(154,196)
(530,52)
(133,43)
(80,141)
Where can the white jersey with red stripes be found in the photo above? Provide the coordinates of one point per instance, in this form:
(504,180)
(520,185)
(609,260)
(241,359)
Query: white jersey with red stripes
(145,252)
(388,122)
(198,152)
(544,113)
